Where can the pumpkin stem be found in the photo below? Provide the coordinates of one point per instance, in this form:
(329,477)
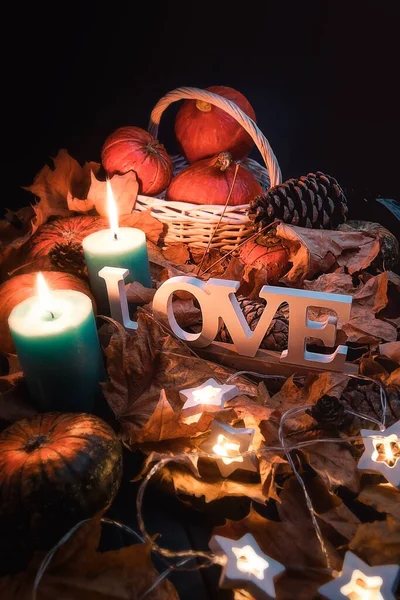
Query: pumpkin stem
(203,105)
(35,442)
(223,160)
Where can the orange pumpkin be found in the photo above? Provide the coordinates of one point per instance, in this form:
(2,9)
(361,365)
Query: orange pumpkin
(63,231)
(55,470)
(20,287)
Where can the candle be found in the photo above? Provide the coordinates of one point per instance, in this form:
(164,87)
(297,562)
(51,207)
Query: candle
(56,340)
(122,247)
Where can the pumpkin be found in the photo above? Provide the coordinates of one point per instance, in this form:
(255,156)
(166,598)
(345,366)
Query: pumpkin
(209,181)
(274,258)
(20,287)
(134,149)
(70,230)
(203,130)
(55,470)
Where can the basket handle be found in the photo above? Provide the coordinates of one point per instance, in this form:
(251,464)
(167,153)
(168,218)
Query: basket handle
(191,93)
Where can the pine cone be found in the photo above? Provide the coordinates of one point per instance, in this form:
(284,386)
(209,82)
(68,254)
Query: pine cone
(68,257)
(329,412)
(316,201)
(276,337)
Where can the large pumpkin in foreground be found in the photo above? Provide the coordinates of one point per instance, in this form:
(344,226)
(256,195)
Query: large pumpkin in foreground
(55,470)
(20,287)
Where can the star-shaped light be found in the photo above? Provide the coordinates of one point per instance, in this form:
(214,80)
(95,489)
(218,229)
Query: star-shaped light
(382,453)
(359,581)
(210,393)
(246,566)
(230,443)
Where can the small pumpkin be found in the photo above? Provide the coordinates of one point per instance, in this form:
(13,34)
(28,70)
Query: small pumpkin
(55,470)
(203,129)
(209,181)
(274,258)
(134,149)
(20,287)
(70,230)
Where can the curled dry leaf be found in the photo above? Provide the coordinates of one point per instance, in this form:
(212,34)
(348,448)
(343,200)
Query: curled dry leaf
(210,487)
(79,572)
(378,543)
(52,186)
(383,498)
(125,189)
(138,293)
(314,251)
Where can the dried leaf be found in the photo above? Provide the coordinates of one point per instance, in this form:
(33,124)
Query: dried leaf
(283,541)
(176,253)
(142,364)
(391,350)
(52,186)
(383,498)
(167,424)
(125,189)
(328,507)
(186,313)
(313,251)
(82,573)
(378,543)
(152,227)
(210,488)
(334,464)
(14,398)
(369,299)
(137,293)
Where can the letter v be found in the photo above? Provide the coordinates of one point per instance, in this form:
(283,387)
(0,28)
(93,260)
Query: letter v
(246,342)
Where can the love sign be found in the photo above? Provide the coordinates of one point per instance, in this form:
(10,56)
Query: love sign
(217,301)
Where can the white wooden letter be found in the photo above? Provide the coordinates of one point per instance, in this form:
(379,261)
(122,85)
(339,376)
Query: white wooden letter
(163,309)
(114,279)
(301,327)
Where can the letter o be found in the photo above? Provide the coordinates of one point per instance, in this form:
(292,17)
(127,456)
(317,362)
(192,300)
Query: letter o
(163,309)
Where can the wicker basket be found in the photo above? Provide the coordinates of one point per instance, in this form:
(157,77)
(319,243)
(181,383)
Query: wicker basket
(197,224)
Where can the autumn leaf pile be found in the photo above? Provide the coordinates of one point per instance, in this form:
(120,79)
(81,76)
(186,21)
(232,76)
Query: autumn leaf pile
(148,368)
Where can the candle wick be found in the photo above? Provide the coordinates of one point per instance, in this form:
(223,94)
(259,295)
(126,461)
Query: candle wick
(52,314)
(115,236)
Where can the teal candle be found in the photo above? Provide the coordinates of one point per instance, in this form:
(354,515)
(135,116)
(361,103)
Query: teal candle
(125,249)
(59,350)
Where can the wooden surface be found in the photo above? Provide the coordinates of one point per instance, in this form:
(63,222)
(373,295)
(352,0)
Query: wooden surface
(265,361)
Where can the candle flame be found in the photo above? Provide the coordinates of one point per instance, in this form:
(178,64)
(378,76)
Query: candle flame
(45,297)
(112,210)
(228,450)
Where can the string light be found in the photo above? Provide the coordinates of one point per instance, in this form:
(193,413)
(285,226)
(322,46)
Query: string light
(224,449)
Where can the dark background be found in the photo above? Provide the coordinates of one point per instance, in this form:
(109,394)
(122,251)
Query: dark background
(322,77)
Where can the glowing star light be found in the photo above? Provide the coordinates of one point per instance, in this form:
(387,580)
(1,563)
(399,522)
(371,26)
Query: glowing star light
(246,566)
(210,393)
(382,453)
(230,443)
(359,581)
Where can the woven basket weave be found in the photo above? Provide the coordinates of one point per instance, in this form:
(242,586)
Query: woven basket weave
(196,224)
